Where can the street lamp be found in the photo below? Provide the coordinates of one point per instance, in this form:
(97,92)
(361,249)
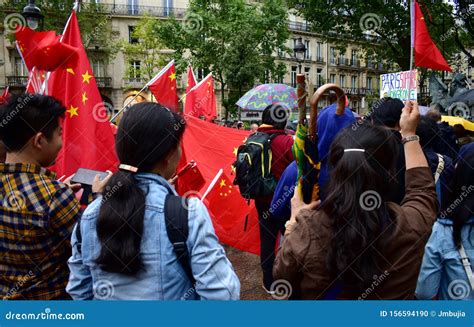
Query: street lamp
(33,15)
(299,50)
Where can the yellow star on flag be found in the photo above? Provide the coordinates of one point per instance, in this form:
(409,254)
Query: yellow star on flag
(84,98)
(222,184)
(232,169)
(71,71)
(235,151)
(86,77)
(172,76)
(72,111)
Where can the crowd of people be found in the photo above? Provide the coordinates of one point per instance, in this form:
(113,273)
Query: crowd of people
(394,219)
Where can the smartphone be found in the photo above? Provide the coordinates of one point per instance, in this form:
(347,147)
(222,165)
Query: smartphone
(85,176)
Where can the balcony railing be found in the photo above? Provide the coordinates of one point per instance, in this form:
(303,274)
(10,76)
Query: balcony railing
(298,26)
(104,82)
(136,83)
(133,10)
(345,62)
(320,59)
(17,81)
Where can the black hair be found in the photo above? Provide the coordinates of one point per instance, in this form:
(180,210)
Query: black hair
(147,133)
(428,131)
(462,197)
(357,203)
(25,115)
(387,112)
(275,115)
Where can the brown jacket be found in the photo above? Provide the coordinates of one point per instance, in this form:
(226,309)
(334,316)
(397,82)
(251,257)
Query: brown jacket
(301,259)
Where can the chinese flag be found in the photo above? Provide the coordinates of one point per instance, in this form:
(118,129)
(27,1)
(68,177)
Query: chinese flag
(213,148)
(88,141)
(6,94)
(191,181)
(163,87)
(44,50)
(191,80)
(35,81)
(426,53)
(201,100)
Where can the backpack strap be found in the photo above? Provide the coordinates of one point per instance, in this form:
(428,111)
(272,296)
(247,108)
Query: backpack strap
(79,236)
(467,265)
(176,220)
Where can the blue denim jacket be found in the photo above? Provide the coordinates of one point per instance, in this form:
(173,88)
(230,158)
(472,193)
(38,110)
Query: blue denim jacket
(442,273)
(163,277)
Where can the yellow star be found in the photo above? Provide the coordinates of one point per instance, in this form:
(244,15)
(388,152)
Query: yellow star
(71,71)
(84,98)
(86,77)
(232,169)
(172,76)
(235,151)
(209,83)
(222,184)
(72,111)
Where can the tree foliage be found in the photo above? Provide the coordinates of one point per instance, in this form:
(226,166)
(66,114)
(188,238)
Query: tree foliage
(384,26)
(238,42)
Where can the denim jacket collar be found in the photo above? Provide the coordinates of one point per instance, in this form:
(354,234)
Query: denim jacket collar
(149,178)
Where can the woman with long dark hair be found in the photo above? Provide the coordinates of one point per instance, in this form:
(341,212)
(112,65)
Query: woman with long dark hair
(358,245)
(446,272)
(123,250)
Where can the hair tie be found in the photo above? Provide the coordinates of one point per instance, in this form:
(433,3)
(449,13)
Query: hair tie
(354,150)
(128,168)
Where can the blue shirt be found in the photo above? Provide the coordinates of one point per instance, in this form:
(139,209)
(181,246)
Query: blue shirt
(442,273)
(163,277)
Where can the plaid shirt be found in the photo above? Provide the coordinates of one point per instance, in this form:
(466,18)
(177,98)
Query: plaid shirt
(37,215)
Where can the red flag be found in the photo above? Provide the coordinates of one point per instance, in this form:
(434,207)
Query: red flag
(163,87)
(201,100)
(214,147)
(35,81)
(5,95)
(190,179)
(191,80)
(44,50)
(426,53)
(88,141)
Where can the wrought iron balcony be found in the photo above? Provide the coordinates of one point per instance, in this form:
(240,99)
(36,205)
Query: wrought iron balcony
(104,82)
(133,10)
(135,83)
(17,81)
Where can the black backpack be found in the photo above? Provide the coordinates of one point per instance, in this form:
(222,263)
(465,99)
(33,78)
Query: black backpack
(253,167)
(176,221)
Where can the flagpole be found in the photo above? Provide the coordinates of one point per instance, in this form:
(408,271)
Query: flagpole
(127,104)
(213,183)
(412,32)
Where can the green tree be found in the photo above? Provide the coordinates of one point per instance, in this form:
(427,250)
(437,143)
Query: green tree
(147,48)
(238,42)
(382,26)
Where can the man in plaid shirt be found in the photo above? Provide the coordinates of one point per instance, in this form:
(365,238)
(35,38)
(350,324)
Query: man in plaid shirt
(37,212)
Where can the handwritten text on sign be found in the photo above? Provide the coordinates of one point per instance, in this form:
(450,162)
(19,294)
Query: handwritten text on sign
(401,85)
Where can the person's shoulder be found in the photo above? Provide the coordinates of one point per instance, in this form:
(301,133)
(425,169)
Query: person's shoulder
(315,222)
(92,210)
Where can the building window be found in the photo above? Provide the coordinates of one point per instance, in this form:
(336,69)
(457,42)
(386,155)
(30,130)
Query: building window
(354,58)
(319,76)
(131,38)
(307,70)
(319,51)
(342,57)
(98,67)
(332,55)
(307,54)
(19,69)
(354,82)
(342,80)
(293,75)
(168,7)
(135,69)
(332,78)
(369,83)
(132,7)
